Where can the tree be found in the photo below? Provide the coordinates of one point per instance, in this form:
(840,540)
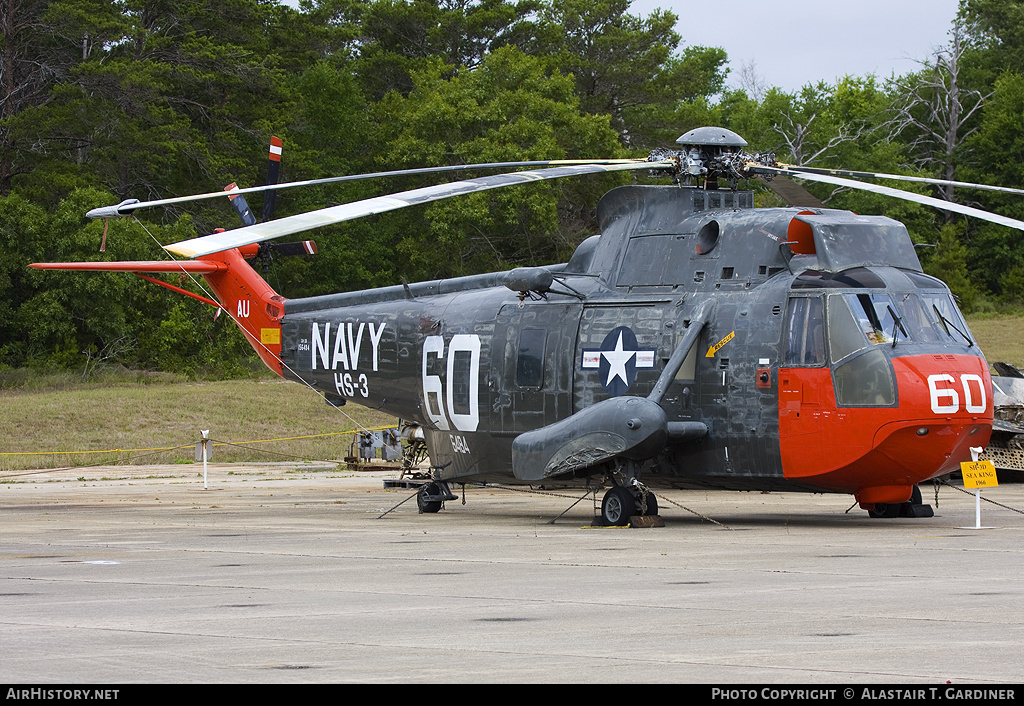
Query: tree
(949,263)
(626,66)
(936,112)
(509,108)
(997,27)
(388,40)
(40,44)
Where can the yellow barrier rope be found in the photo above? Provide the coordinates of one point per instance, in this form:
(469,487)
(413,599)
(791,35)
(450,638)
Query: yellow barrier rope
(172,448)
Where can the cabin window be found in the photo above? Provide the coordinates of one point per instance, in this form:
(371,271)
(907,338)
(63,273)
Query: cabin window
(688,370)
(805,335)
(530,361)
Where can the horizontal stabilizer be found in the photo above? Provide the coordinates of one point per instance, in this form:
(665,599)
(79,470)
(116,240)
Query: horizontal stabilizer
(194,266)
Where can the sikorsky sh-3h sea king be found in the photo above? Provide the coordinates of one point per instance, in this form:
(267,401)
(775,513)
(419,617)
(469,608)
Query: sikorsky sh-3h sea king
(697,342)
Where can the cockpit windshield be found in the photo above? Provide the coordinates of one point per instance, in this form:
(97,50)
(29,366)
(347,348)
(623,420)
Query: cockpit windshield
(891,319)
(866,319)
(874,315)
(860,325)
(920,326)
(941,308)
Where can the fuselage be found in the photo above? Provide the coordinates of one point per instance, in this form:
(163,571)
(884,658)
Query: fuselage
(830,363)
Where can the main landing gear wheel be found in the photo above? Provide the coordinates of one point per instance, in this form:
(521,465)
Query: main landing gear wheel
(424,495)
(618,506)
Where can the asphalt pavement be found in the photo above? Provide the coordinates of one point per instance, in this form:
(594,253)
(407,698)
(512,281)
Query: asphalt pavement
(277,574)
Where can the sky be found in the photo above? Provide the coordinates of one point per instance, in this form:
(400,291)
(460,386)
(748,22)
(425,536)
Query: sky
(795,42)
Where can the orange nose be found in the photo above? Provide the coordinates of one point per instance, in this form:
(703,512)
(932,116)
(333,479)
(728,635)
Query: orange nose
(944,407)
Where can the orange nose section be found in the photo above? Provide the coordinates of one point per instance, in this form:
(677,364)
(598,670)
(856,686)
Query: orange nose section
(944,407)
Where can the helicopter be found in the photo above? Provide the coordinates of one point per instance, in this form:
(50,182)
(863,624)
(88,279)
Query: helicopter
(695,342)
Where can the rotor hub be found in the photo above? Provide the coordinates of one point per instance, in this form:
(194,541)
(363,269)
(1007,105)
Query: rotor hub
(709,154)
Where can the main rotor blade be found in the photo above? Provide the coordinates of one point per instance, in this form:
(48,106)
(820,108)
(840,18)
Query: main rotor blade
(131,205)
(173,266)
(902,177)
(349,211)
(895,193)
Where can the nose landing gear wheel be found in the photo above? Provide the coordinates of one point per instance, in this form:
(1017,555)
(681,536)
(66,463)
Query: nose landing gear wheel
(914,507)
(618,506)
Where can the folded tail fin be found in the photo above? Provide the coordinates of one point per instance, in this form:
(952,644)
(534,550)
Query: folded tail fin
(252,304)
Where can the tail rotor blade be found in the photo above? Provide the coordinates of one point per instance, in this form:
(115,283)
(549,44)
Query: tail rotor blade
(273,172)
(241,205)
(302,247)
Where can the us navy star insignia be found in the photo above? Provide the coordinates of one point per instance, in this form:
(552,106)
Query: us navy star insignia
(618,359)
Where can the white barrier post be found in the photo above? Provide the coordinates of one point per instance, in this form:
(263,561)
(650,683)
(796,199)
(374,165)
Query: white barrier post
(204,442)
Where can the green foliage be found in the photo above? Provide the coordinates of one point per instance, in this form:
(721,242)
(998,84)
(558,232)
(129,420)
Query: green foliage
(510,108)
(998,25)
(949,263)
(108,99)
(626,66)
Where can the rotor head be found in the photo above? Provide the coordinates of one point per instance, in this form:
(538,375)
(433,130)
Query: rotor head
(707,154)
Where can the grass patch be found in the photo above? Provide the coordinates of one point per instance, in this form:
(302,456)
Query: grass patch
(150,417)
(28,380)
(999,337)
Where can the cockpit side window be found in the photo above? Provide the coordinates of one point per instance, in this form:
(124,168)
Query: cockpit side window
(844,335)
(805,334)
(857,326)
